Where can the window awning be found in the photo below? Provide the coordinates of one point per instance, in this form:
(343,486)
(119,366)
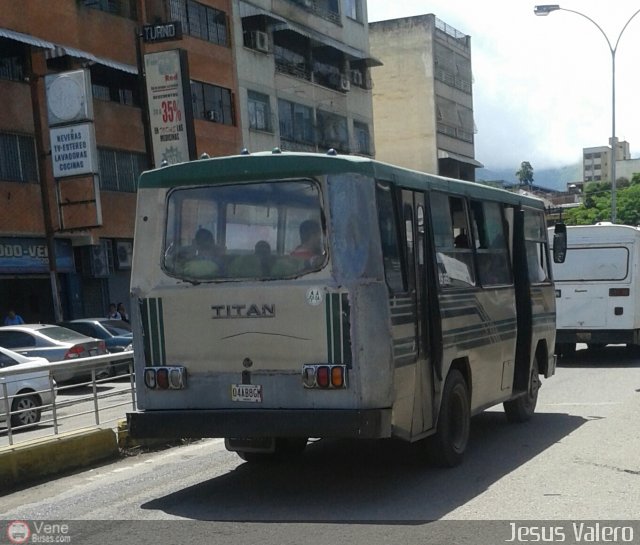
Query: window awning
(61,50)
(25,38)
(321,40)
(442,154)
(53,50)
(249,10)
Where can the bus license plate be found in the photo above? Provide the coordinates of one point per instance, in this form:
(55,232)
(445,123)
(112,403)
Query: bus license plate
(251,393)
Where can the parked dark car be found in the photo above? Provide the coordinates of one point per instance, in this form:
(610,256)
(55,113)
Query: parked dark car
(54,343)
(116,334)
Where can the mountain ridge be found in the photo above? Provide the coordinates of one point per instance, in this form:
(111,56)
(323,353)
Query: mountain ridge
(549,178)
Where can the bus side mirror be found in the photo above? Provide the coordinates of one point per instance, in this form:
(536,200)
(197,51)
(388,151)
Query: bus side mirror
(560,243)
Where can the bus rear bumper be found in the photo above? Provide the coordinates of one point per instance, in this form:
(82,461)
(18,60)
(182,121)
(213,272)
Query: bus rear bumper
(598,336)
(183,424)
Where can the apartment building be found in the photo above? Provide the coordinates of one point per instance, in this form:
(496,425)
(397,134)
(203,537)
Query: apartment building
(423,96)
(257,74)
(304,75)
(596,161)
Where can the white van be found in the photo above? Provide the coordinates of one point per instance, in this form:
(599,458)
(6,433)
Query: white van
(597,298)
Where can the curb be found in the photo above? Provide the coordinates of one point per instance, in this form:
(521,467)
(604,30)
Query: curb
(33,460)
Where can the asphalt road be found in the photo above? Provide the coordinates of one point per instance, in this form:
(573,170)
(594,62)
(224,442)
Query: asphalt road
(576,460)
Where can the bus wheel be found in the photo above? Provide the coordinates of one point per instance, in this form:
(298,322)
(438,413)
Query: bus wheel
(522,408)
(448,445)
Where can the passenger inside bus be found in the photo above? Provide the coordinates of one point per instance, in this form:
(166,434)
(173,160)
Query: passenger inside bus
(205,261)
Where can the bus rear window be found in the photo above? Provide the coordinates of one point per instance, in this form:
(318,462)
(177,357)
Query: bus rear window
(244,231)
(585,264)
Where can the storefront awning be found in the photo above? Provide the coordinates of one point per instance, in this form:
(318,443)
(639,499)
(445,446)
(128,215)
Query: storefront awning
(442,154)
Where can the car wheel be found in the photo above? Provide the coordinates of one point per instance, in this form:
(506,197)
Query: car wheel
(30,413)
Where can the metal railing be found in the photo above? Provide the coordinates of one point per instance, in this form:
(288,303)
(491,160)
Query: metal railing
(72,404)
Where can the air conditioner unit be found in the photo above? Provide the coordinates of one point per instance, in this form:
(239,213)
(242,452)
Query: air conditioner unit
(356,77)
(261,41)
(214,115)
(345,85)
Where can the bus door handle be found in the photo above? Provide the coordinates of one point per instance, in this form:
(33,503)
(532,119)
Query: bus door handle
(581,291)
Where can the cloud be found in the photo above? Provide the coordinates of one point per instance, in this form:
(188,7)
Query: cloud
(542,85)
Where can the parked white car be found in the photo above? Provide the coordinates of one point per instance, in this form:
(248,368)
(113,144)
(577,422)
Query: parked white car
(28,393)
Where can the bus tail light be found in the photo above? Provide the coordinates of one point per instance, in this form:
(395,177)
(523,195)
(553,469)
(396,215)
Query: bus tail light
(165,378)
(324,376)
(618,292)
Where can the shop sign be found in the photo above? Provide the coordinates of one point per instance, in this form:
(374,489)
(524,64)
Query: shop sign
(30,255)
(168,117)
(73,150)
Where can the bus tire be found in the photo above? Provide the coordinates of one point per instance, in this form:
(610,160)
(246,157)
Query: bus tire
(448,445)
(522,408)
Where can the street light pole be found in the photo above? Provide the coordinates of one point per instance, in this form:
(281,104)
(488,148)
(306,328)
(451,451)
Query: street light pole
(546,9)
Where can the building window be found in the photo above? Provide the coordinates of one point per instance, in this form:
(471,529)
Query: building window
(259,112)
(119,170)
(362,138)
(332,131)
(114,86)
(200,21)
(124,8)
(212,103)
(353,9)
(296,122)
(17,158)
(12,60)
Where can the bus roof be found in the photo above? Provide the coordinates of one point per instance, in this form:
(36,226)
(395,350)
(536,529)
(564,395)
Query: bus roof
(604,232)
(285,165)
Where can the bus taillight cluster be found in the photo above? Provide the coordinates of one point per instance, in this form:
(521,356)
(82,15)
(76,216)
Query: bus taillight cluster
(165,378)
(326,377)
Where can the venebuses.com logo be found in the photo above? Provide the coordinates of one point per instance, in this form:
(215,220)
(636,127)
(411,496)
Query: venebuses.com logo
(18,532)
(21,531)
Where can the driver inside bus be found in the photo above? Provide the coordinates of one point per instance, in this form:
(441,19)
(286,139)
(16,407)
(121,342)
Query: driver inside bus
(310,248)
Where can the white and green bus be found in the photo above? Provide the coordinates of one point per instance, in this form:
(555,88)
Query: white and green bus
(286,296)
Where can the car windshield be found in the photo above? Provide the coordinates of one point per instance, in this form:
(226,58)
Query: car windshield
(63,334)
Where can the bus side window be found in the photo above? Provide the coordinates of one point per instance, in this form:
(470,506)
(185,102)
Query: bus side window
(536,246)
(452,240)
(491,243)
(388,225)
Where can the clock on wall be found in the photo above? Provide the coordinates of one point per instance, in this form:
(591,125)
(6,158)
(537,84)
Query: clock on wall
(68,97)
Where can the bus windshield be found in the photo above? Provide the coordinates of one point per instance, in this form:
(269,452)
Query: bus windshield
(257,230)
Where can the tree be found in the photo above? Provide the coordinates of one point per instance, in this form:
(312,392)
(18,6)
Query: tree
(525,174)
(597,204)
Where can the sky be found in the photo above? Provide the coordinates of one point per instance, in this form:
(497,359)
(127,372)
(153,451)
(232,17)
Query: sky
(542,87)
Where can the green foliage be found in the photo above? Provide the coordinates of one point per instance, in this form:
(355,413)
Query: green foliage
(597,204)
(525,174)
